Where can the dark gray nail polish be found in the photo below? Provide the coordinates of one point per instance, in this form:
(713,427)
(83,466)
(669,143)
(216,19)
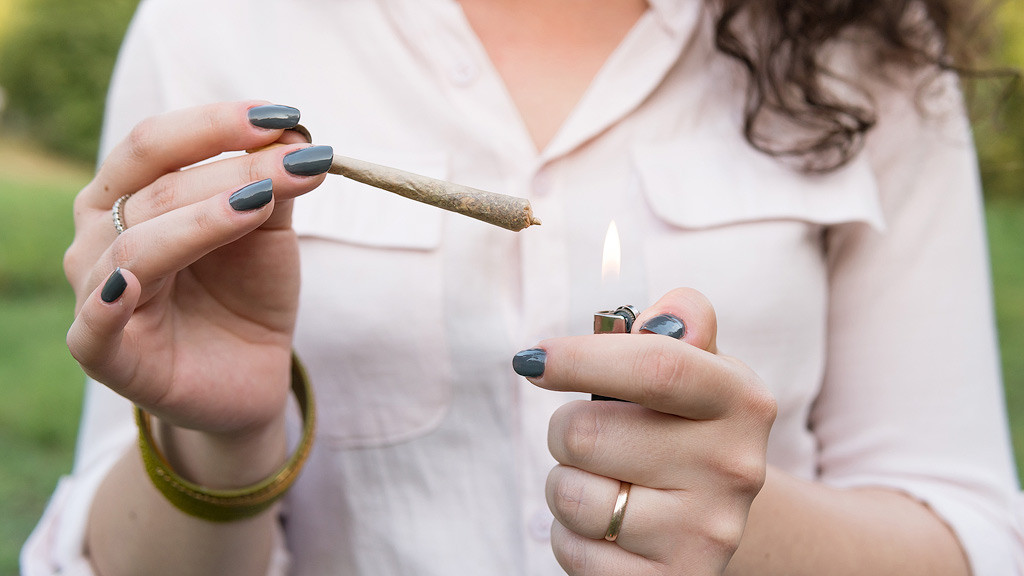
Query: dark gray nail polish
(252,196)
(309,161)
(114,286)
(530,363)
(274,117)
(666,325)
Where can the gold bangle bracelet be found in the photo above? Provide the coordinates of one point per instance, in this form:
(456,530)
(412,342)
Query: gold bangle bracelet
(240,503)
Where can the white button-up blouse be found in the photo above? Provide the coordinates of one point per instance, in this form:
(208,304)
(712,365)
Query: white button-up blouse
(861,297)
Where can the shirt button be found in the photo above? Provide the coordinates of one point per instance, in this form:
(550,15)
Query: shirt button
(463,73)
(540,526)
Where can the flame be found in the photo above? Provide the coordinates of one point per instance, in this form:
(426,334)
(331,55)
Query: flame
(611,261)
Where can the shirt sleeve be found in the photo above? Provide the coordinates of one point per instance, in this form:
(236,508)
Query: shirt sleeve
(107,429)
(912,398)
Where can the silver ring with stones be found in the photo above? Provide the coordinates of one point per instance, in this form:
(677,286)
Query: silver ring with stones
(118,213)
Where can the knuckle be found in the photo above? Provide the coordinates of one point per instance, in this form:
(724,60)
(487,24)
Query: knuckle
(162,196)
(702,322)
(72,343)
(754,399)
(72,261)
(572,552)
(250,170)
(77,341)
(744,472)
(724,533)
(760,403)
(581,436)
(80,206)
(204,222)
(141,140)
(659,370)
(568,497)
(703,305)
(122,251)
(767,406)
(76,349)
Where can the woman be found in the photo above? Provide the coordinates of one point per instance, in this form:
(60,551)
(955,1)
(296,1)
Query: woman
(851,296)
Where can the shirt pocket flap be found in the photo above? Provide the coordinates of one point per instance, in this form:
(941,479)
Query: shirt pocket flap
(690,186)
(348,211)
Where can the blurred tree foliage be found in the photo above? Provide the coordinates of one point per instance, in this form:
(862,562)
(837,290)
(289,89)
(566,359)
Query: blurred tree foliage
(999,109)
(56,57)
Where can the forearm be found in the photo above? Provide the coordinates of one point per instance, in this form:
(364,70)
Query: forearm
(133,529)
(798,527)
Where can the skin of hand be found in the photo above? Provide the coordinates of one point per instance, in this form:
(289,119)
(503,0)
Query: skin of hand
(201,335)
(692,441)
(199,332)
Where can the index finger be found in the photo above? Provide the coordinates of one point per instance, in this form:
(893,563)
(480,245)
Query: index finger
(171,141)
(662,374)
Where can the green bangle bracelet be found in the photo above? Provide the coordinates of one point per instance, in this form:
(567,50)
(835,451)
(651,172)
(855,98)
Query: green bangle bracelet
(240,503)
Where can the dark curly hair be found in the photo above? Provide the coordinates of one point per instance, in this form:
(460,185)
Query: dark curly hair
(781,42)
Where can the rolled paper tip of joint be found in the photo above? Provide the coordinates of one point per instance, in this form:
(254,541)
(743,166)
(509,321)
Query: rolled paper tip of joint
(530,220)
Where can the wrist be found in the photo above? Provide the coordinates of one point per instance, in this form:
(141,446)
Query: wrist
(229,464)
(223,461)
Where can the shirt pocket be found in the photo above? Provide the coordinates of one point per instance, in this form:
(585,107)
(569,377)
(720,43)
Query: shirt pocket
(371,325)
(723,217)
(701,183)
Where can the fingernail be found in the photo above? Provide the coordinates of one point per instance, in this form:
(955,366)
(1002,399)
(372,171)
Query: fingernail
(114,286)
(665,324)
(252,196)
(530,363)
(274,116)
(309,161)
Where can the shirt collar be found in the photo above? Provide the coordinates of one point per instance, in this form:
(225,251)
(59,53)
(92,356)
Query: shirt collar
(675,15)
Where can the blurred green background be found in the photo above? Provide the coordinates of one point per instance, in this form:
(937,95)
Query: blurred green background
(55,62)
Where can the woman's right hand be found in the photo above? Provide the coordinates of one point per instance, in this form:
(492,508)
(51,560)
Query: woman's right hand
(190,312)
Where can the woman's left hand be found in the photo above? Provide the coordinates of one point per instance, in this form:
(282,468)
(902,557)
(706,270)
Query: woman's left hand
(692,443)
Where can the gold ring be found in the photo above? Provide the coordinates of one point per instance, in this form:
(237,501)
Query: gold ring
(118,213)
(618,512)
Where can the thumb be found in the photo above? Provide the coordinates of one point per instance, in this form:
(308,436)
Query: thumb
(682,313)
(96,336)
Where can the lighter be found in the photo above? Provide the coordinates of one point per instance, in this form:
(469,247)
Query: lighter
(618,321)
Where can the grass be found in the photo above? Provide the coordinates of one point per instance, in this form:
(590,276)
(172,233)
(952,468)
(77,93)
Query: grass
(1006,240)
(42,391)
(41,385)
